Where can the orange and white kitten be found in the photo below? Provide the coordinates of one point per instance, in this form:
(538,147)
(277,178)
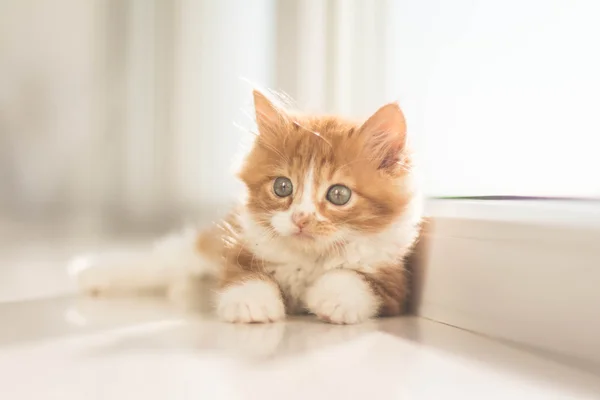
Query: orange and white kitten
(331,211)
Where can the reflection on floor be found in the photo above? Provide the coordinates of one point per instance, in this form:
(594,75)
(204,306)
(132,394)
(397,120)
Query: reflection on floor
(70,348)
(54,345)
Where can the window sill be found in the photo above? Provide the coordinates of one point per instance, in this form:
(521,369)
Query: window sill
(524,271)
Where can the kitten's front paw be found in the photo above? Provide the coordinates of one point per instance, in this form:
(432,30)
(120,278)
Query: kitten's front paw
(251,301)
(342,297)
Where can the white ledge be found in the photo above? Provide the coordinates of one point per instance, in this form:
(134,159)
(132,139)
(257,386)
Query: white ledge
(524,271)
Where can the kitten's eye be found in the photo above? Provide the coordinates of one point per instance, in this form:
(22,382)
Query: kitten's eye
(339,195)
(282,187)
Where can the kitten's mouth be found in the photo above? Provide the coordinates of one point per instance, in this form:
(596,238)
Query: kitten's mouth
(303,235)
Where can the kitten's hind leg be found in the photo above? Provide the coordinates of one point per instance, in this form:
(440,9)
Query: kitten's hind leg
(171,260)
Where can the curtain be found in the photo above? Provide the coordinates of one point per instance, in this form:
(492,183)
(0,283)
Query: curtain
(137,109)
(126,109)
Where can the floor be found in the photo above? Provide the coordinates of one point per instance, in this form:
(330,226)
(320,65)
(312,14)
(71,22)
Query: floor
(55,345)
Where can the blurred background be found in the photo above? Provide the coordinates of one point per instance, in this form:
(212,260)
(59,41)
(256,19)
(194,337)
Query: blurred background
(128,111)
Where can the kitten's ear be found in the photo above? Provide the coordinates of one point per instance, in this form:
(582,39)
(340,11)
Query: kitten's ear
(385,135)
(268,116)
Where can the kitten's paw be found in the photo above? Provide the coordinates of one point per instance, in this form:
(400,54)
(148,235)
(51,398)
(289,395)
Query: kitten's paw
(342,297)
(252,301)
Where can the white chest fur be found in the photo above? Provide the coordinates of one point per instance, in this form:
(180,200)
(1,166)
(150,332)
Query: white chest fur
(294,279)
(295,270)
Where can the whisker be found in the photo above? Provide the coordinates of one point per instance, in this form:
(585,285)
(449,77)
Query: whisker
(248,114)
(241,128)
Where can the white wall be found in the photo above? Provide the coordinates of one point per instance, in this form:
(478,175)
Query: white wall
(502,96)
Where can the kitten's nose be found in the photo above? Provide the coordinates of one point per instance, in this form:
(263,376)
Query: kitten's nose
(300,219)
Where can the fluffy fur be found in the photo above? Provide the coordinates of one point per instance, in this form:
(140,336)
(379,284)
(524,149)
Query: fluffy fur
(276,255)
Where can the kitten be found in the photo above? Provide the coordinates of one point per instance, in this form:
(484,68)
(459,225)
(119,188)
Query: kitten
(332,210)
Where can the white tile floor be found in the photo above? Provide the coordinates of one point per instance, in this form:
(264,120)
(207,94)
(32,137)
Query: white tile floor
(71,348)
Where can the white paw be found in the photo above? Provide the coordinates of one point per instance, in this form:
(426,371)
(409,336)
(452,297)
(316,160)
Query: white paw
(251,301)
(342,297)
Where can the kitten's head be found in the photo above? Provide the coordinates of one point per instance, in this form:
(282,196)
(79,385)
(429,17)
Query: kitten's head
(317,181)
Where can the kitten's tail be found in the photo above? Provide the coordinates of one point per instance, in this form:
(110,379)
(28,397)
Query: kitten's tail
(172,258)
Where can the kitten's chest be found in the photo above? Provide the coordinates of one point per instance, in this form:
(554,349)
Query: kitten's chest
(294,278)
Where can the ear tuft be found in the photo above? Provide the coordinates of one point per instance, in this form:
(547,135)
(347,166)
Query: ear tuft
(385,135)
(267,114)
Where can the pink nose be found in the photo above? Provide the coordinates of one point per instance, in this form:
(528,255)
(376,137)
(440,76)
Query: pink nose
(300,219)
